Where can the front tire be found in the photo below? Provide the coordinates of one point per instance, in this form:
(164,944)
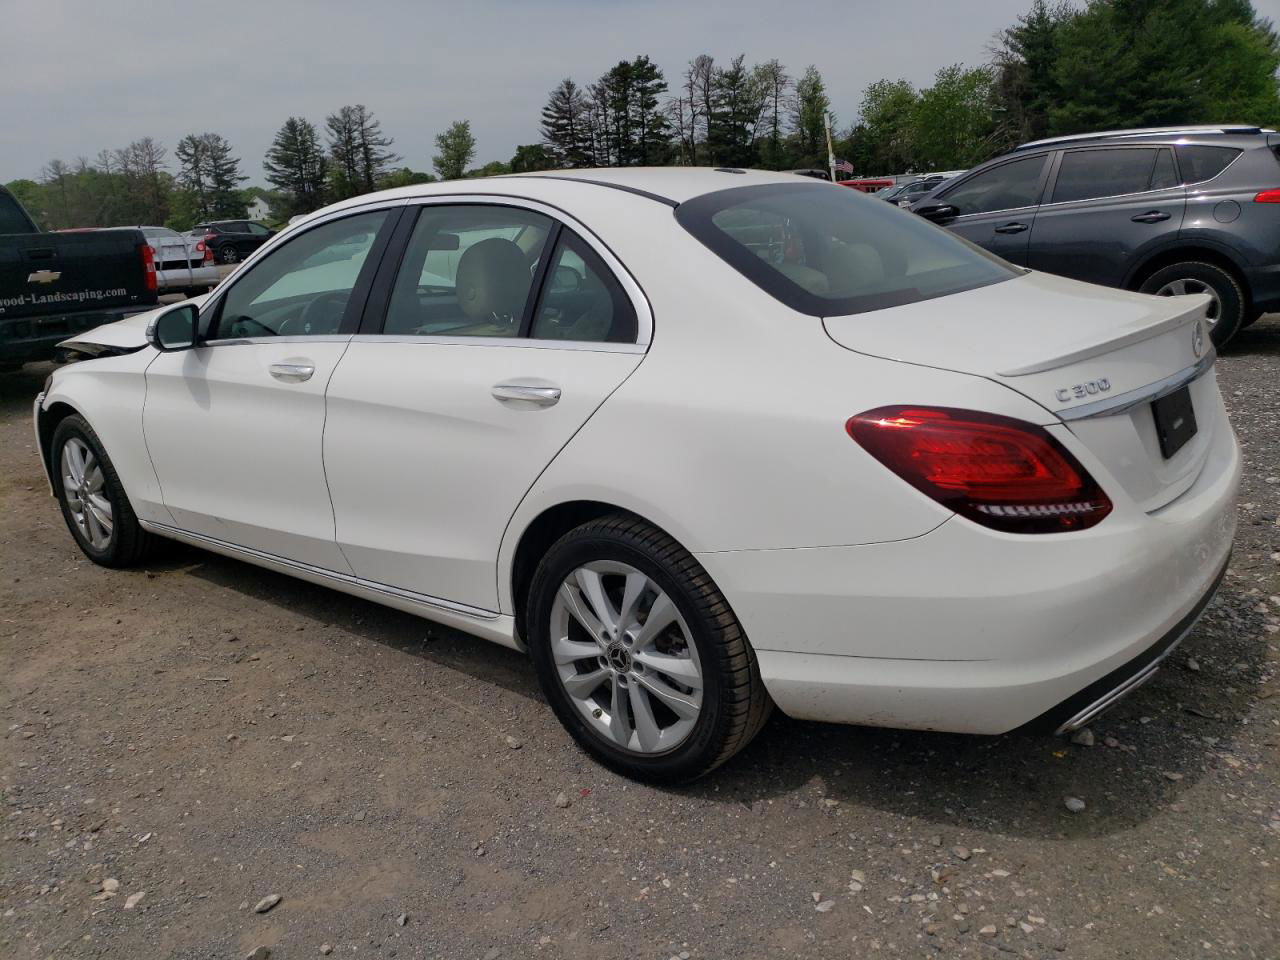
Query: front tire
(93,501)
(229,254)
(1226,312)
(639,653)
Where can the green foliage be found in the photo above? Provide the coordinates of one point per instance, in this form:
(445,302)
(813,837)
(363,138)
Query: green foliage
(530,157)
(296,166)
(566,126)
(494,168)
(809,112)
(404,177)
(211,177)
(358,152)
(457,149)
(952,120)
(887,125)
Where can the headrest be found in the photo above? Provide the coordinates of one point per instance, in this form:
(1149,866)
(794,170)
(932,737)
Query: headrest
(493,280)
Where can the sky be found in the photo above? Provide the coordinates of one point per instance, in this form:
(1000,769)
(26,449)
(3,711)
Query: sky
(82,75)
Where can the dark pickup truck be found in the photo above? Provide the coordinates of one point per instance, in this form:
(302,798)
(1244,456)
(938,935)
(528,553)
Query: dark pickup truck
(53,285)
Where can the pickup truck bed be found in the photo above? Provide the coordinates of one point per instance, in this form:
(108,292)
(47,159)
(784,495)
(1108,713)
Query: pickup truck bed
(53,285)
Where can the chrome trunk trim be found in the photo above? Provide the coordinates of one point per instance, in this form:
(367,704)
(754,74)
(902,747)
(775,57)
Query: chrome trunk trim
(1147,394)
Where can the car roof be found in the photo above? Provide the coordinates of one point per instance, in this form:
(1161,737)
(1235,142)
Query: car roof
(1232,134)
(669,185)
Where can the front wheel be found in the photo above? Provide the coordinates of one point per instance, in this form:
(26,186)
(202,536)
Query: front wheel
(1227,300)
(639,653)
(92,499)
(229,254)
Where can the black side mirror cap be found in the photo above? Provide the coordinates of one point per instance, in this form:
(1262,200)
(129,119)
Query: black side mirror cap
(175,329)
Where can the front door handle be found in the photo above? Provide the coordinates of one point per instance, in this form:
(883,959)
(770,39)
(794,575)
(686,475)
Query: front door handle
(1151,216)
(1014,227)
(538,396)
(293,371)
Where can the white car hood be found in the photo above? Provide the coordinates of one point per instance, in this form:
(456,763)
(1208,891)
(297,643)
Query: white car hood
(127,334)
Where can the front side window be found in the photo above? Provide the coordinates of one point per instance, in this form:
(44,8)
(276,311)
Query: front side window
(1090,174)
(259,230)
(1200,163)
(830,252)
(467,271)
(581,300)
(1006,187)
(304,287)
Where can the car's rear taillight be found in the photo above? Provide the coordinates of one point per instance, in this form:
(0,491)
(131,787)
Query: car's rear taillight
(148,266)
(1002,473)
(1268,196)
(206,251)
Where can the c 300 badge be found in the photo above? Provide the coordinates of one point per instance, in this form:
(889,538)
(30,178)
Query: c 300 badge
(1078,391)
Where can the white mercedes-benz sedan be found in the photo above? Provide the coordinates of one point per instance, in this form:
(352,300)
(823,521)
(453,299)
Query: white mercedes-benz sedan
(700,441)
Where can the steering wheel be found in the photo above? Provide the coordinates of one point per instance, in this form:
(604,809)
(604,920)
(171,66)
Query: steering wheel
(321,316)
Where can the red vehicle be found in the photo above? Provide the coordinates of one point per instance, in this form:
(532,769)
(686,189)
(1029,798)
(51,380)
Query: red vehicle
(870,185)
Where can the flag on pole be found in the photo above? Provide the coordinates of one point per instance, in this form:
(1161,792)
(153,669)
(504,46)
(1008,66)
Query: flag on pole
(844,166)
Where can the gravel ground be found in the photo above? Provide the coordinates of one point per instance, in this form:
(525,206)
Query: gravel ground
(183,742)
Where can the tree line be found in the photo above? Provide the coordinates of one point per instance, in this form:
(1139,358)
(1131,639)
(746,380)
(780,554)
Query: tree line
(1059,69)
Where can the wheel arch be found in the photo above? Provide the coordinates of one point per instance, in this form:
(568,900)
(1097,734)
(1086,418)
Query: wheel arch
(543,531)
(1198,251)
(47,420)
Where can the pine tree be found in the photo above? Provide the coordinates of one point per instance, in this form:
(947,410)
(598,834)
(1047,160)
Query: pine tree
(344,154)
(225,200)
(565,126)
(373,159)
(457,149)
(295,165)
(735,110)
(808,118)
(193,173)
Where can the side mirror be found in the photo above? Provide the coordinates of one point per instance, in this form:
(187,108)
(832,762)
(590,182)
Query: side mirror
(175,329)
(937,212)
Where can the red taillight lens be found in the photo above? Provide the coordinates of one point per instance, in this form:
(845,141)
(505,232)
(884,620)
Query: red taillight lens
(206,250)
(1268,196)
(148,266)
(997,471)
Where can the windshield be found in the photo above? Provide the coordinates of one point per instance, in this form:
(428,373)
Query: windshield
(832,252)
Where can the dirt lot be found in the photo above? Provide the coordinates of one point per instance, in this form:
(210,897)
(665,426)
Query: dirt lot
(203,735)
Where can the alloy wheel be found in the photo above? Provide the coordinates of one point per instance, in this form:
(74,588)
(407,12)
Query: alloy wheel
(1180,288)
(626,657)
(83,486)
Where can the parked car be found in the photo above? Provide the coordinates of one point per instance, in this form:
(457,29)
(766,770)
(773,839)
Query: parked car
(907,193)
(184,264)
(1169,211)
(923,489)
(232,240)
(53,285)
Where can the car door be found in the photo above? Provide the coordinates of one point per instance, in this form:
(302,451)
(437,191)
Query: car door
(1104,207)
(258,234)
(234,426)
(995,207)
(502,332)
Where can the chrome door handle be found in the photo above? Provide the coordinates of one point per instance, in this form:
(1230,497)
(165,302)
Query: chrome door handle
(292,372)
(1011,227)
(1151,216)
(539,396)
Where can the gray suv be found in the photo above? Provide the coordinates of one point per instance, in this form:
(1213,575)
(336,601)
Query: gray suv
(1168,211)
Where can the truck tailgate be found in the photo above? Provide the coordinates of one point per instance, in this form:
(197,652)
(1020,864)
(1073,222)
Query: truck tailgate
(47,274)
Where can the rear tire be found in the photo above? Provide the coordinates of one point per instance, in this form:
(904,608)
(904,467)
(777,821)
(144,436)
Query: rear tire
(228,254)
(1227,312)
(94,504)
(691,689)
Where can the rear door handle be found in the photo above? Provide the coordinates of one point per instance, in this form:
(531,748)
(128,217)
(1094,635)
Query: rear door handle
(1014,227)
(1151,216)
(293,372)
(539,396)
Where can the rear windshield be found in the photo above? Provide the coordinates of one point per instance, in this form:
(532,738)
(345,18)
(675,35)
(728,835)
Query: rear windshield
(829,252)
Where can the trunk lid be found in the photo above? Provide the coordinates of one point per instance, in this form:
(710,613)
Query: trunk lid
(1093,357)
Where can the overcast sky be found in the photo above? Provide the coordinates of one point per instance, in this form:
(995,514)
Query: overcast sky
(81,75)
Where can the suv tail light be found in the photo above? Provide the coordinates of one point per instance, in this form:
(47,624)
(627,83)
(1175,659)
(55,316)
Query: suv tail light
(1002,473)
(148,266)
(1268,196)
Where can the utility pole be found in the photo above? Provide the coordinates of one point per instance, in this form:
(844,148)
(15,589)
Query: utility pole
(831,153)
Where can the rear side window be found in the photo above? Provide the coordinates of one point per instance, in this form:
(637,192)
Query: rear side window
(1089,174)
(1199,163)
(11,217)
(580,298)
(829,252)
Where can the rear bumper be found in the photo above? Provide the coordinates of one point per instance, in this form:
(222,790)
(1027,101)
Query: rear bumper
(202,276)
(970,631)
(27,339)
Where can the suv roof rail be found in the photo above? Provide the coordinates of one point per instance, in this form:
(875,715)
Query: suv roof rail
(1143,132)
